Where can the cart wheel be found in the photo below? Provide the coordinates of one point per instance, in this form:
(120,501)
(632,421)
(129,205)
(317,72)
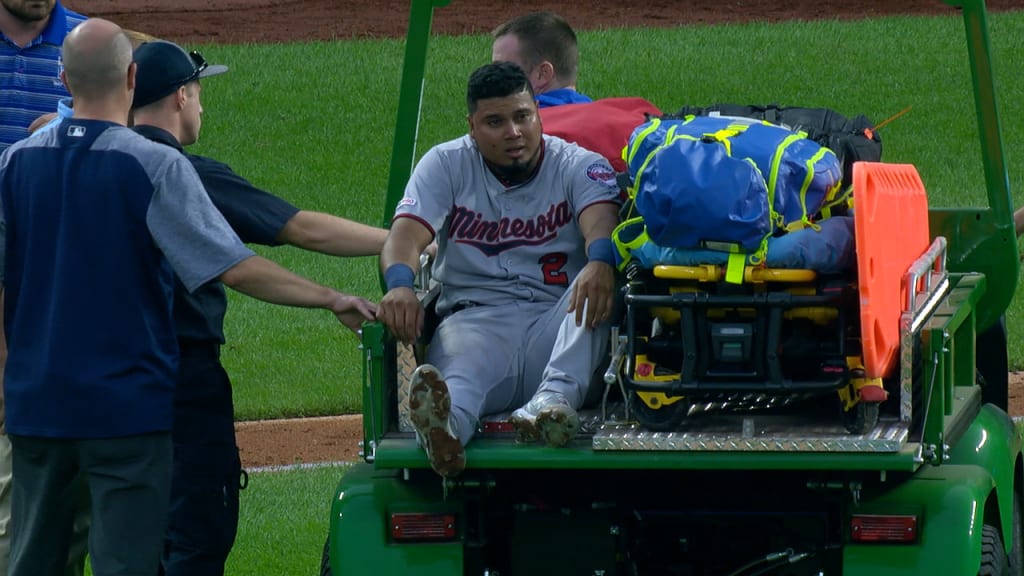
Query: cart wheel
(1016,559)
(664,419)
(861,418)
(325,559)
(993,555)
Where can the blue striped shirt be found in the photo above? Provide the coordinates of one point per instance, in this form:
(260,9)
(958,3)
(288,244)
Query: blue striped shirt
(30,84)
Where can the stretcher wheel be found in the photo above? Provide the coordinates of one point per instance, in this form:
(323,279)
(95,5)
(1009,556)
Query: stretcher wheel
(861,418)
(663,419)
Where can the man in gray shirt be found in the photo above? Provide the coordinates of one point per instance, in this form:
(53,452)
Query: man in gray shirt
(96,222)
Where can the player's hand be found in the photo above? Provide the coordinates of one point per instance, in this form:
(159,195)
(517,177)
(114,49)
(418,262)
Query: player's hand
(352,311)
(400,310)
(593,294)
(431,250)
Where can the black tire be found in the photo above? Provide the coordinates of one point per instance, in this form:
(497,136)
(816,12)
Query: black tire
(1016,559)
(325,560)
(861,418)
(993,558)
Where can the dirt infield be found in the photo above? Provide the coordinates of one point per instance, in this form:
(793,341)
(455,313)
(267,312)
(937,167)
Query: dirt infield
(241,21)
(260,21)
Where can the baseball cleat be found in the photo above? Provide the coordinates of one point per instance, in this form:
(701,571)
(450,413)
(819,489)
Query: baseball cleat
(430,407)
(548,416)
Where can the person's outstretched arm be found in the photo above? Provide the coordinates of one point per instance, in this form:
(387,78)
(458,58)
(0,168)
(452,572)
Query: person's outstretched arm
(264,280)
(332,235)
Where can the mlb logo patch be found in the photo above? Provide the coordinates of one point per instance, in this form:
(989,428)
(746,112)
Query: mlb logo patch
(76,131)
(603,173)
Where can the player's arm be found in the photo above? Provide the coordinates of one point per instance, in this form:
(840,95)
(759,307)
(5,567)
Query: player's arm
(595,285)
(264,280)
(400,310)
(332,235)
(201,246)
(263,218)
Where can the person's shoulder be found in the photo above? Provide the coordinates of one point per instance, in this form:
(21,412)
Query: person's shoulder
(31,141)
(156,157)
(65,20)
(570,158)
(460,145)
(452,151)
(562,149)
(73,18)
(202,163)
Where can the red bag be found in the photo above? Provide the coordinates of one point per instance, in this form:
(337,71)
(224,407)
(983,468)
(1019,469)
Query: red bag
(603,126)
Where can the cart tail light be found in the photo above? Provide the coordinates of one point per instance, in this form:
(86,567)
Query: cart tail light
(410,527)
(883,528)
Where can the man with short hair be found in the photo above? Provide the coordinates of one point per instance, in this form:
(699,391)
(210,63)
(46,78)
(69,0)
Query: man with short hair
(96,223)
(167,109)
(31,34)
(544,46)
(526,269)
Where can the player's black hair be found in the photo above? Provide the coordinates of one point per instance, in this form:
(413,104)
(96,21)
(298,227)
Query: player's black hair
(495,80)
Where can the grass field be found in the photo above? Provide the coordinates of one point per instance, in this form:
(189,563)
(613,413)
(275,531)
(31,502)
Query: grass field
(284,522)
(313,123)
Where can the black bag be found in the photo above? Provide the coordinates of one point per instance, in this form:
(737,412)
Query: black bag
(852,139)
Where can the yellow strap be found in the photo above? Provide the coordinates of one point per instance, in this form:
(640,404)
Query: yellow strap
(773,175)
(841,196)
(734,268)
(670,138)
(630,150)
(625,247)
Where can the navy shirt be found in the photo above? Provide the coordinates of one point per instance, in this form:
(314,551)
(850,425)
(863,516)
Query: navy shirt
(96,223)
(256,216)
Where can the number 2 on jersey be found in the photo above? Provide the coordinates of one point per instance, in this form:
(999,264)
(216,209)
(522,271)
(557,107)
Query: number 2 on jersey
(551,266)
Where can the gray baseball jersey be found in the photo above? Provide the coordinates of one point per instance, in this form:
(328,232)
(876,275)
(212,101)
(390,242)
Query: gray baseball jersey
(500,244)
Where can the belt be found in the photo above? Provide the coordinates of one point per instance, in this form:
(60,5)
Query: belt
(189,347)
(463,304)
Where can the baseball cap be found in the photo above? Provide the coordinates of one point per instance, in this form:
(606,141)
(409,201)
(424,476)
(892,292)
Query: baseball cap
(163,67)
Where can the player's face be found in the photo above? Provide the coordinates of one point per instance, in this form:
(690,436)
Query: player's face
(29,10)
(191,114)
(507,131)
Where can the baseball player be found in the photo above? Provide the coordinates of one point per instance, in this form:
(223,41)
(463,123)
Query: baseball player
(525,262)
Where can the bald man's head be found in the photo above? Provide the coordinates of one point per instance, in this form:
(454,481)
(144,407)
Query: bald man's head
(97,55)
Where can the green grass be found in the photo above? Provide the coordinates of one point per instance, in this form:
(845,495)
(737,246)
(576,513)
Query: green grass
(313,123)
(283,522)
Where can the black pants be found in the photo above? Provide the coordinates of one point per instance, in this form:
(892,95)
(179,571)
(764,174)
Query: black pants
(207,474)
